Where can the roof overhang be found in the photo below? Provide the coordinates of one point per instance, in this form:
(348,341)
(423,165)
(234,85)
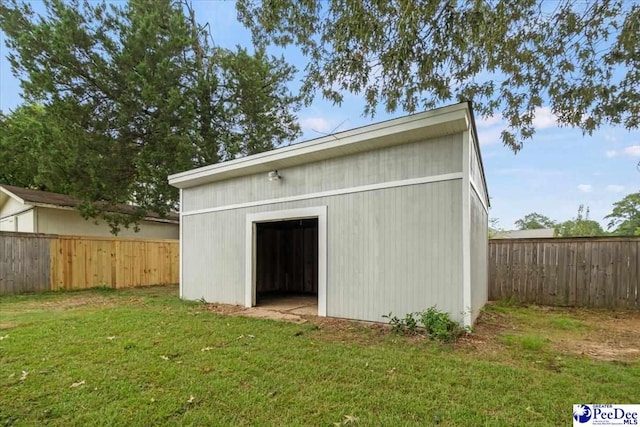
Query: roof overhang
(417,127)
(4,192)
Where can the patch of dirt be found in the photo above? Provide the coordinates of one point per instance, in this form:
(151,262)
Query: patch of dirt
(7,325)
(337,329)
(608,335)
(350,331)
(612,336)
(76,302)
(61,303)
(262,313)
(222,308)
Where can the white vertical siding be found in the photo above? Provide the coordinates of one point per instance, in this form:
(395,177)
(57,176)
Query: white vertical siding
(479,253)
(475,170)
(389,250)
(477,229)
(434,157)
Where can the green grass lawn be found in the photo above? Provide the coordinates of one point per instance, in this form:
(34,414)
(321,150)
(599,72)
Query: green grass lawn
(143,357)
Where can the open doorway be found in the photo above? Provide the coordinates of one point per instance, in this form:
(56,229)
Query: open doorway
(286,276)
(318,230)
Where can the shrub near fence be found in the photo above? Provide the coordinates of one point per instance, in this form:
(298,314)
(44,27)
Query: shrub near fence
(42,262)
(587,272)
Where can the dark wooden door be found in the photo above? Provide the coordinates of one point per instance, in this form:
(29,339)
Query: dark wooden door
(287,257)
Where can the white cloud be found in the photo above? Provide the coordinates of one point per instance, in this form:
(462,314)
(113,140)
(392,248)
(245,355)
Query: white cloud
(490,129)
(632,150)
(490,136)
(615,188)
(585,188)
(314,127)
(485,122)
(318,124)
(544,118)
(610,137)
(611,153)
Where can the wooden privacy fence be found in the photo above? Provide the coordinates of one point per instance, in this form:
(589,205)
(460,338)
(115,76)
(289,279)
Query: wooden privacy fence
(42,262)
(587,272)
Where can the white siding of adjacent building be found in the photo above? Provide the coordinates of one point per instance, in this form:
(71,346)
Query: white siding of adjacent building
(70,222)
(14,216)
(25,221)
(395,246)
(10,206)
(8,224)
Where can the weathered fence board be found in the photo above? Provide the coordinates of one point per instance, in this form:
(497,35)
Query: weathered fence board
(589,272)
(38,262)
(24,263)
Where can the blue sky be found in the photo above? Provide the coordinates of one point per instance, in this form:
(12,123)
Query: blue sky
(553,174)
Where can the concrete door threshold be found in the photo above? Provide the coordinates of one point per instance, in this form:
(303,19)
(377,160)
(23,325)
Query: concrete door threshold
(290,308)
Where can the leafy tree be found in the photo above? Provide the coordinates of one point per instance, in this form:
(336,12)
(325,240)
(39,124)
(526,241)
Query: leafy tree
(534,221)
(494,228)
(24,134)
(506,56)
(135,92)
(626,216)
(580,226)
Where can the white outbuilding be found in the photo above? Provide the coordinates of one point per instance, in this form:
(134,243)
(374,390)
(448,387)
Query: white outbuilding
(390,217)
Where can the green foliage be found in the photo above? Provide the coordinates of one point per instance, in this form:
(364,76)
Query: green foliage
(507,57)
(121,95)
(432,322)
(405,326)
(625,216)
(438,325)
(580,226)
(24,134)
(494,227)
(534,221)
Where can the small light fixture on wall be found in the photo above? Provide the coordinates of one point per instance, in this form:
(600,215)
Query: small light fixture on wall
(274,175)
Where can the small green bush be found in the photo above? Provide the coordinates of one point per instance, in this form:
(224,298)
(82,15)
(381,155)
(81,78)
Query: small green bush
(431,322)
(406,326)
(438,325)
